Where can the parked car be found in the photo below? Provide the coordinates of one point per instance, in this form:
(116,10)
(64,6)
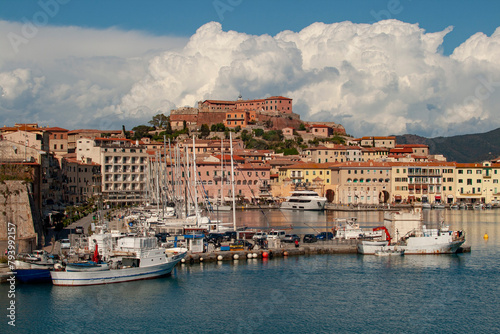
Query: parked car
(214,237)
(325,236)
(79,230)
(259,235)
(279,234)
(309,238)
(291,238)
(65,243)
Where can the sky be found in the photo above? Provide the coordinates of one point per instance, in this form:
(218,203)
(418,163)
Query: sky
(430,68)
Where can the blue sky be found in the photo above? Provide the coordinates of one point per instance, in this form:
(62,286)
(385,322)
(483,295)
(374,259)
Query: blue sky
(183,18)
(105,63)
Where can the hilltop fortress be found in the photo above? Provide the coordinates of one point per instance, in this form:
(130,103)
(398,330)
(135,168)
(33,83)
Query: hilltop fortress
(276,112)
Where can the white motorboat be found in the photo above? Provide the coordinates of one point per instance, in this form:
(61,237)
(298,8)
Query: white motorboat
(133,258)
(304,200)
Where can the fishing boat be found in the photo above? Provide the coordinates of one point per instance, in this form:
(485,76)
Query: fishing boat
(133,258)
(35,268)
(417,238)
(304,200)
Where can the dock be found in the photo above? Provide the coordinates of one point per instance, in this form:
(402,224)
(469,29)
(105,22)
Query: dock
(341,247)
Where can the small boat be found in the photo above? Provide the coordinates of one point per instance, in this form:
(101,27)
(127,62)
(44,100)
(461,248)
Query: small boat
(34,268)
(454,206)
(304,200)
(426,205)
(438,205)
(87,266)
(479,206)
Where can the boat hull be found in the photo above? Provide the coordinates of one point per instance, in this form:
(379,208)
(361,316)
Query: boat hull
(33,275)
(80,278)
(371,247)
(313,205)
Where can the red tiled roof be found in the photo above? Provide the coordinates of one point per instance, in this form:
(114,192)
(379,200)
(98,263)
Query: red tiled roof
(55,129)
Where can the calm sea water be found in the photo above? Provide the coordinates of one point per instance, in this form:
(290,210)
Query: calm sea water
(310,294)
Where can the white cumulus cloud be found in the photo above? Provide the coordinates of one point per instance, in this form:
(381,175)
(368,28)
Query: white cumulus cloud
(388,77)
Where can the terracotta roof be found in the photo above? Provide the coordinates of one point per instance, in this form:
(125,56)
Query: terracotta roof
(55,129)
(94,131)
(278,98)
(319,126)
(412,146)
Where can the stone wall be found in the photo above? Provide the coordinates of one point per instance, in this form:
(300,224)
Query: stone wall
(16,206)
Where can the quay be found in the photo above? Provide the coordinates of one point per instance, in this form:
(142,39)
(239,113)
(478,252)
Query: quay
(335,247)
(330,247)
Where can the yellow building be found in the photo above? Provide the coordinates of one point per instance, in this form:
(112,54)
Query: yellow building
(314,176)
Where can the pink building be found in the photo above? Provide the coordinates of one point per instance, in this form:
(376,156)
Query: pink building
(251,180)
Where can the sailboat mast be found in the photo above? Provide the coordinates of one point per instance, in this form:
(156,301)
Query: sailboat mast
(221,172)
(195,191)
(232,181)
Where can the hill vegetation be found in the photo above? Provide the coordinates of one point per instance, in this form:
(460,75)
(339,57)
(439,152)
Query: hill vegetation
(465,148)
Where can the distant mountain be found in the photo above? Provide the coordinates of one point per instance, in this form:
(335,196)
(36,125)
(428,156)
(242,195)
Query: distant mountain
(466,148)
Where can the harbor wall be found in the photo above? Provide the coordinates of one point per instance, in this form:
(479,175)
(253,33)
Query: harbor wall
(17,207)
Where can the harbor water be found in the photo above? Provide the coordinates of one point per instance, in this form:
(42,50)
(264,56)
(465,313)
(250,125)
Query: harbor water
(347,293)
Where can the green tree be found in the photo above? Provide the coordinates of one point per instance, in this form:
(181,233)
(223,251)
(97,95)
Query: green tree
(142,131)
(245,136)
(159,121)
(204,131)
(258,132)
(237,129)
(125,132)
(302,127)
(219,127)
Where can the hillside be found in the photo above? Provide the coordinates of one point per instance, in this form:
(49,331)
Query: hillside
(465,148)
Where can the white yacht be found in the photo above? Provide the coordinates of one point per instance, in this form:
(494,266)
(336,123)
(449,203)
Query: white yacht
(304,200)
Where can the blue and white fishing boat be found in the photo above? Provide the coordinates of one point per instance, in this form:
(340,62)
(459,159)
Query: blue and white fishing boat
(131,259)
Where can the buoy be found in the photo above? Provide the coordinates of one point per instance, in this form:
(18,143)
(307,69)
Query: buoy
(485,236)
(236,256)
(249,255)
(285,253)
(254,255)
(183,261)
(265,255)
(201,259)
(219,257)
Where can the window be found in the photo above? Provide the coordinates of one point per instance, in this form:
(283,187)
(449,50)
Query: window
(478,171)
(460,171)
(469,171)
(469,182)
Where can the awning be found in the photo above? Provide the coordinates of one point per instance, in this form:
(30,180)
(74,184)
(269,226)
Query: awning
(437,197)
